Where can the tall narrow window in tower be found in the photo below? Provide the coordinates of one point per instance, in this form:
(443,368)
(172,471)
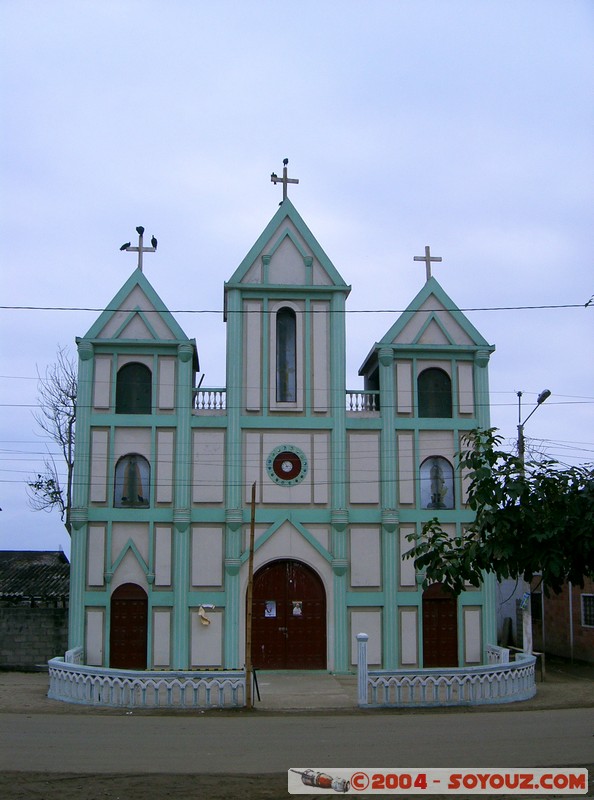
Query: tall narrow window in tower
(286,356)
(132,482)
(133,389)
(434,388)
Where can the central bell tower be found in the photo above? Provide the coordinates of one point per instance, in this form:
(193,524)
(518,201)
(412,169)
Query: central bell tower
(284,309)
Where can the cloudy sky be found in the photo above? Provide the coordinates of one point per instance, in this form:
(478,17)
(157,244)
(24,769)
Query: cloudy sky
(466,125)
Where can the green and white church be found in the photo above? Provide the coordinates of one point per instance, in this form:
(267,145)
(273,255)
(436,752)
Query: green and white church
(164,475)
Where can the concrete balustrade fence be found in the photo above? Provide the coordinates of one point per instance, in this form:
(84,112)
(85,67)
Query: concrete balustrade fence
(496,682)
(100,686)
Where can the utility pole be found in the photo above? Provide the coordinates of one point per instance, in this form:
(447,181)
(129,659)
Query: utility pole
(526,603)
(249,670)
(546,393)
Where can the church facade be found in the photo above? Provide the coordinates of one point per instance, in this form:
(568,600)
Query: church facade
(165,471)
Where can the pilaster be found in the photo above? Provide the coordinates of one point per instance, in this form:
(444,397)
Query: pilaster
(181,560)
(390,554)
(78,560)
(234,479)
(340,515)
(233,659)
(235,401)
(481,376)
(80,499)
(340,569)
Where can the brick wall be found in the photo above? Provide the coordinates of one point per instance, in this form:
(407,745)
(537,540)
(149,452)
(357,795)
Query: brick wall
(557,624)
(31,636)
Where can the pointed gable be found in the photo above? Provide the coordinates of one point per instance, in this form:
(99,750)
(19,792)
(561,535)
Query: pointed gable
(431,321)
(137,313)
(287,254)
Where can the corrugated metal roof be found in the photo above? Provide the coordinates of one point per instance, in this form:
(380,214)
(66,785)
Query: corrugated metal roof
(33,574)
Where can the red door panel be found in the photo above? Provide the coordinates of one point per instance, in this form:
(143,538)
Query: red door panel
(440,628)
(288,617)
(128,627)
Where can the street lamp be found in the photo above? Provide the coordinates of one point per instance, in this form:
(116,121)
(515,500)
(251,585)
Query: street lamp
(526,604)
(521,441)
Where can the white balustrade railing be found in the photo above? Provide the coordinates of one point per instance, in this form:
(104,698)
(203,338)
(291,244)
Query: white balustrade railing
(74,656)
(456,686)
(101,686)
(362,400)
(497,655)
(210,400)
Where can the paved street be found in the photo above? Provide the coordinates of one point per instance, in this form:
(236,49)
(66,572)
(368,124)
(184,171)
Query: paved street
(129,743)
(58,751)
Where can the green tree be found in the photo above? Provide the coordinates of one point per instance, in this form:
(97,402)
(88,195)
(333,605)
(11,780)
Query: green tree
(56,418)
(533,518)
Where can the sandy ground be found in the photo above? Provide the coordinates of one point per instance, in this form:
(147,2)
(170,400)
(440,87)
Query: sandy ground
(44,786)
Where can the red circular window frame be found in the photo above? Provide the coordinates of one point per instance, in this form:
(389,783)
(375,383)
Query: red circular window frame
(296,465)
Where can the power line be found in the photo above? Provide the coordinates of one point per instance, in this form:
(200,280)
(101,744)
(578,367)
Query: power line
(311,311)
(331,407)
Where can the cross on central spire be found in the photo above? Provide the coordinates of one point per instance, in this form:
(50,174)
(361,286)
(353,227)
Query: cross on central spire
(284,180)
(140,249)
(427,258)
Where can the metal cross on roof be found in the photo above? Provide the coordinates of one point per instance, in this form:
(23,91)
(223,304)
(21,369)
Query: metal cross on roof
(427,258)
(284,180)
(140,249)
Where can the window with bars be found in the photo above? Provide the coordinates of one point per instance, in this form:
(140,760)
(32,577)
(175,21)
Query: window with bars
(588,610)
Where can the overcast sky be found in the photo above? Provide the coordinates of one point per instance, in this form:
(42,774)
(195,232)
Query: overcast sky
(466,125)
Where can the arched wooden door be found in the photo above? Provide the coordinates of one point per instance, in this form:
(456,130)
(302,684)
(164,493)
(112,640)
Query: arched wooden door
(288,617)
(440,628)
(128,627)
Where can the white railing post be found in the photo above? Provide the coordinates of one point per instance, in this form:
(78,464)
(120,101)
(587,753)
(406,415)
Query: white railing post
(362,639)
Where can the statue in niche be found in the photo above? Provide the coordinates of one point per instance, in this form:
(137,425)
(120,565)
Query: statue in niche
(437,483)
(438,486)
(132,482)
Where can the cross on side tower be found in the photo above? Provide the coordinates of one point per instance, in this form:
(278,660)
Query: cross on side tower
(140,249)
(427,258)
(284,180)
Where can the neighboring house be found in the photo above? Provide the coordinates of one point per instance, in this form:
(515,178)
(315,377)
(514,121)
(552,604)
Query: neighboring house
(33,607)
(564,623)
(164,474)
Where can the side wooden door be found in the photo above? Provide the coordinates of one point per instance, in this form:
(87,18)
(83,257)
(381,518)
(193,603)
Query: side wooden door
(128,627)
(440,628)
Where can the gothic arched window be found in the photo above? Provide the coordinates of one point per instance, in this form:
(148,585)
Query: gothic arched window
(286,356)
(134,389)
(435,393)
(132,482)
(437,483)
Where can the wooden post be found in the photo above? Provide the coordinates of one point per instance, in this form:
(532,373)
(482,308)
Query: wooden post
(249,701)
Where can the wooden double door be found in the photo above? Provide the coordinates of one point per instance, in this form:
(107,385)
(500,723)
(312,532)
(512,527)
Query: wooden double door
(288,617)
(440,628)
(128,627)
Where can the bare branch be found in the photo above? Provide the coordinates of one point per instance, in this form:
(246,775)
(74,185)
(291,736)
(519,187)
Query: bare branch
(56,417)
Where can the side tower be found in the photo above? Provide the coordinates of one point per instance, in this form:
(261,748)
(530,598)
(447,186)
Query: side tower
(128,604)
(430,374)
(284,308)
